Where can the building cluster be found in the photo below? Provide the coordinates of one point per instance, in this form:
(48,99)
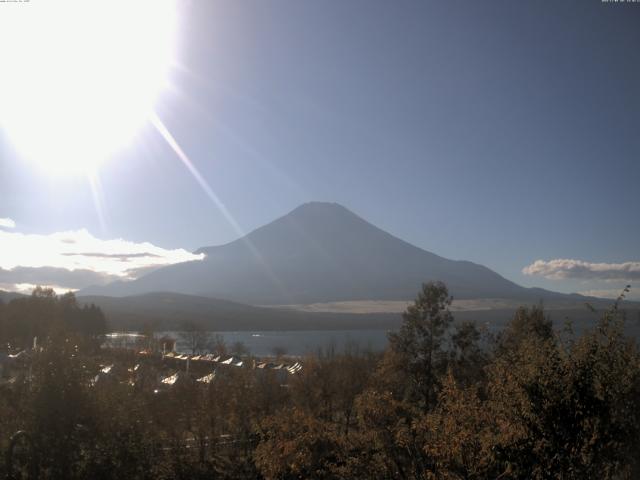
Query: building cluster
(149,368)
(164,371)
(189,362)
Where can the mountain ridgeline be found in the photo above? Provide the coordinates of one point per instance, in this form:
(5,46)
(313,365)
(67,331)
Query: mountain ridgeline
(320,252)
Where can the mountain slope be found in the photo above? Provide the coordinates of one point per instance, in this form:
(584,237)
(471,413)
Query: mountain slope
(320,252)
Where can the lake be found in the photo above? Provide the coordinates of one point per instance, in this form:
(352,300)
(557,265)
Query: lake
(294,342)
(302,342)
(297,342)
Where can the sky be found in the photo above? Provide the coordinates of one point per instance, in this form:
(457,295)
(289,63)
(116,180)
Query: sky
(501,132)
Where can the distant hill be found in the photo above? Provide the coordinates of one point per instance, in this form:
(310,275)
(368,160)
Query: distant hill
(169,311)
(321,252)
(6,297)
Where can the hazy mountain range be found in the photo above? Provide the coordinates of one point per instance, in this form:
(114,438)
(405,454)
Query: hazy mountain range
(170,311)
(318,267)
(321,252)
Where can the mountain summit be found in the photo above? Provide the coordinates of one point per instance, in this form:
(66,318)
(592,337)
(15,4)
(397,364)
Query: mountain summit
(319,252)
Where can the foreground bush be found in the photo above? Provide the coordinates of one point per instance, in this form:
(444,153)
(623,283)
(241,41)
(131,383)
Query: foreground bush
(444,401)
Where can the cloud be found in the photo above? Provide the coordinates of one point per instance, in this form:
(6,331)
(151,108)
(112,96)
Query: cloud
(77,259)
(562,268)
(50,276)
(7,223)
(27,288)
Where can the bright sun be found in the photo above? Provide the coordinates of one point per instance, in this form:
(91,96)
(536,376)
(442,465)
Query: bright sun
(78,78)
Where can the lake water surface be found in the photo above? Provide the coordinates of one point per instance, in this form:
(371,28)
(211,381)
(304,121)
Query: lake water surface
(298,342)
(302,342)
(266,343)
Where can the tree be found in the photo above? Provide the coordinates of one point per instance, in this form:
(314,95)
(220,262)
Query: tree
(567,410)
(61,410)
(218,345)
(460,434)
(198,339)
(467,357)
(297,445)
(239,348)
(44,312)
(279,351)
(404,389)
(418,346)
(527,323)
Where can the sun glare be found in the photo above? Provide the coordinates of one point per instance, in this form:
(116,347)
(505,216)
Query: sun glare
(78,78)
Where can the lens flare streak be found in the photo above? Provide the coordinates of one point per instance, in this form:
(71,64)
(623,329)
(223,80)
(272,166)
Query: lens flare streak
(206,188)
(164,132)
(98,199)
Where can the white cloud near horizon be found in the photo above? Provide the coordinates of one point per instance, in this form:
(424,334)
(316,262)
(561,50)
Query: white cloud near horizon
(76,259)
(564,268)
(7,223)
(27,288)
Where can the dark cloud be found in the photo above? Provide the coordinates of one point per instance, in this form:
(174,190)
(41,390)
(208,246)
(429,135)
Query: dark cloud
(72,279)
(124,257)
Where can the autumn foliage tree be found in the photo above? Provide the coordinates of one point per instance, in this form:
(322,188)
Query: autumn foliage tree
(44,313)
(444,401)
